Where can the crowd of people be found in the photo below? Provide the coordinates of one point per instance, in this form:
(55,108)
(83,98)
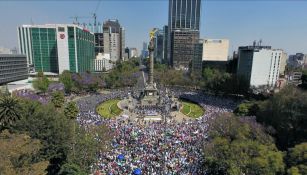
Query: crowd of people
(153,148)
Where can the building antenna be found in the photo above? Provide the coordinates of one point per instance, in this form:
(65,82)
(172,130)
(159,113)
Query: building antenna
(31,21)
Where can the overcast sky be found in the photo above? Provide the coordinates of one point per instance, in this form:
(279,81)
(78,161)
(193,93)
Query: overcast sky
(279,23)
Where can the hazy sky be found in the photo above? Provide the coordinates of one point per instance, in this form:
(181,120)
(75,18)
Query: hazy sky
(279,23)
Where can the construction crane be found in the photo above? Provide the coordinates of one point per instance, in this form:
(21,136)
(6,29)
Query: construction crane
(94,16)
(76,19)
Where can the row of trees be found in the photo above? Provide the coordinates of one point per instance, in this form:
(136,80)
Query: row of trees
(211,79)
(123,75)
(52,141)
(282,116)
(126,74)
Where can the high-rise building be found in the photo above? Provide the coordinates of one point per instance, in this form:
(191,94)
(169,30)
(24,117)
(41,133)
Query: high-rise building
(158,50)
(215,50)
(183,25)
(260,65)
(165,40)
(182,49)
(122,44)
(114,39)
(197,58)
(184,14)
(57,47)
(13,68)
(144,51)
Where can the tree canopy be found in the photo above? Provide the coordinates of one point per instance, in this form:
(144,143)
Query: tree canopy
(66,79)
(240,147)
(286,112)
(297,159)
(58,99)
(17,152)
(41,83)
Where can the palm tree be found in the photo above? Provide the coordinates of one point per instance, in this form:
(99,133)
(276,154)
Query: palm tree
(9,110)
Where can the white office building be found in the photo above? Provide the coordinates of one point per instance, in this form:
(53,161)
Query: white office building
(260,65)
(103,62)
(215,50)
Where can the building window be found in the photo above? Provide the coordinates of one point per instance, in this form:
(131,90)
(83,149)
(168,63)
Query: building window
(61,29)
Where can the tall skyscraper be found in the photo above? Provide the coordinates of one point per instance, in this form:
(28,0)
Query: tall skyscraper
(184,14)
(122,44)
(183,26)
(165,41)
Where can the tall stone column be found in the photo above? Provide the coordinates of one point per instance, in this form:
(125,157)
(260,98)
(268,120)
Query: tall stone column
(151,67)
(151,61)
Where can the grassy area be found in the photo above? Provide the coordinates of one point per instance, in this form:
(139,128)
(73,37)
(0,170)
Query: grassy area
(109,109)
(192,110)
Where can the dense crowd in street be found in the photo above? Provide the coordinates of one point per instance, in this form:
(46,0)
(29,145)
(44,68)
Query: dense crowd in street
(153,148)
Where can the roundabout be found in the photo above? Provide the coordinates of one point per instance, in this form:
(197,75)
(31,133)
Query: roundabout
(154,129)
(114,108)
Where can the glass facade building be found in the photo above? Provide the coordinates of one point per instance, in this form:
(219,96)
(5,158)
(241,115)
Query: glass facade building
(158,50)
(184,14)
(183,31)
(56,47)
(165,40)
(197,58)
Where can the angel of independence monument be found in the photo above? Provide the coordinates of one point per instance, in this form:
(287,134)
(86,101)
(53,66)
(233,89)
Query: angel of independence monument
(147,101)
(150,95)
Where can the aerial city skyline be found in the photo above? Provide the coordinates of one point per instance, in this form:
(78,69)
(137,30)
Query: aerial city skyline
(215,23)
(155,87)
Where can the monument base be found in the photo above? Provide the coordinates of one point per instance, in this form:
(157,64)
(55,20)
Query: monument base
(151,97)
